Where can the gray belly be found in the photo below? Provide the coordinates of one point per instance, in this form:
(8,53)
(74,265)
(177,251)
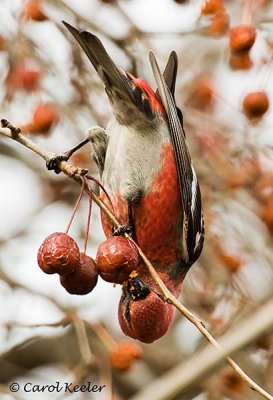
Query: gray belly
(132,159)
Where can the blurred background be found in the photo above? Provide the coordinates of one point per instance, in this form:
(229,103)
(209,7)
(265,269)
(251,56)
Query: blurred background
(50,90)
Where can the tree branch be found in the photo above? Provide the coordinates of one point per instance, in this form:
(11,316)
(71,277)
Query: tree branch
(76,174)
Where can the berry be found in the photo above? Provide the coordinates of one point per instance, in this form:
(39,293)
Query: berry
(240,61)
(219,24)
(212,6)
(146,319)
(23,77)
(231,261)
(255,105)
(34,11)
(201,95)
(44,117)
(124,354)
(142,314)
(242,38)
(117,257)
(58,253)
(83,279)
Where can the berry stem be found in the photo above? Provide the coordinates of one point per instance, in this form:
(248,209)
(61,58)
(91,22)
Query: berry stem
(247,13)
(101,187)
(89,215)
(75,208)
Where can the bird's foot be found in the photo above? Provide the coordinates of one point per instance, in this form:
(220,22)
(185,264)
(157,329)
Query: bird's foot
(125,228)
(54,162)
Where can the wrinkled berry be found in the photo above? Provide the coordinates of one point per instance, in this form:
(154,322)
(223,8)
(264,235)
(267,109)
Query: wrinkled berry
(117,257)
(83,279)
(58,253)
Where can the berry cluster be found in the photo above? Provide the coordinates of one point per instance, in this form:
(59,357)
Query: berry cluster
(143,314)
(116,259)
(241,39)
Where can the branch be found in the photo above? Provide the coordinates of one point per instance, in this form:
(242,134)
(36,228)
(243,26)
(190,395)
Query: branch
(76,174)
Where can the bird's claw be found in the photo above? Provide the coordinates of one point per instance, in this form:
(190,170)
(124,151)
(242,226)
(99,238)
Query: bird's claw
(125,228)
(54,162)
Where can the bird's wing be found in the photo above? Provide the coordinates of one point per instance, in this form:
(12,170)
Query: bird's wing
(193,224)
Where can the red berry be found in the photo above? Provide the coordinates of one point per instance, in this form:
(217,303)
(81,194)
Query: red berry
(44,116)
(232,261)
(242,38)
(212,6)
(202,94)
(117,257)
(219,24)
(240,61)
(124,354)
(58,253)
(34,11)
(142,314)
(255,105)
(83,279)
(23,77)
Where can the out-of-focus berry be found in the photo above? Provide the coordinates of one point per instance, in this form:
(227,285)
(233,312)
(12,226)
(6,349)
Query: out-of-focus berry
(244,175)
(117,257)
(232,385)
(33,10)
(58,253)
(44,117)
(212,6)
(83,279)
(219,24)
(201,95)
(255,105)
(23,77)
(124,354)
(240,61)
(231,261)
(242,38)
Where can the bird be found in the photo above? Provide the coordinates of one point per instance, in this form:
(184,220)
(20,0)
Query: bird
(145,165)
(144,161)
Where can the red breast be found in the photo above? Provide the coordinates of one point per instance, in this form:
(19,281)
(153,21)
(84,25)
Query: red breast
(158,216)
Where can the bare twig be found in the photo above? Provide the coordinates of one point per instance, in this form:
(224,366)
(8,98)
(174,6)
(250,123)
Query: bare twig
(86,355)
(76,174)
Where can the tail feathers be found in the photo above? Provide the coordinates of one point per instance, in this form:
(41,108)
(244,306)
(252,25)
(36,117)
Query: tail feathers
(170,72)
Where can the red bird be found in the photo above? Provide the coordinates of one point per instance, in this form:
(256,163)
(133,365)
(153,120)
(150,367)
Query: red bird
(145,167)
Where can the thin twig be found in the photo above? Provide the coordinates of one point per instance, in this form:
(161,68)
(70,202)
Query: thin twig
(86,355)
(76,174)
